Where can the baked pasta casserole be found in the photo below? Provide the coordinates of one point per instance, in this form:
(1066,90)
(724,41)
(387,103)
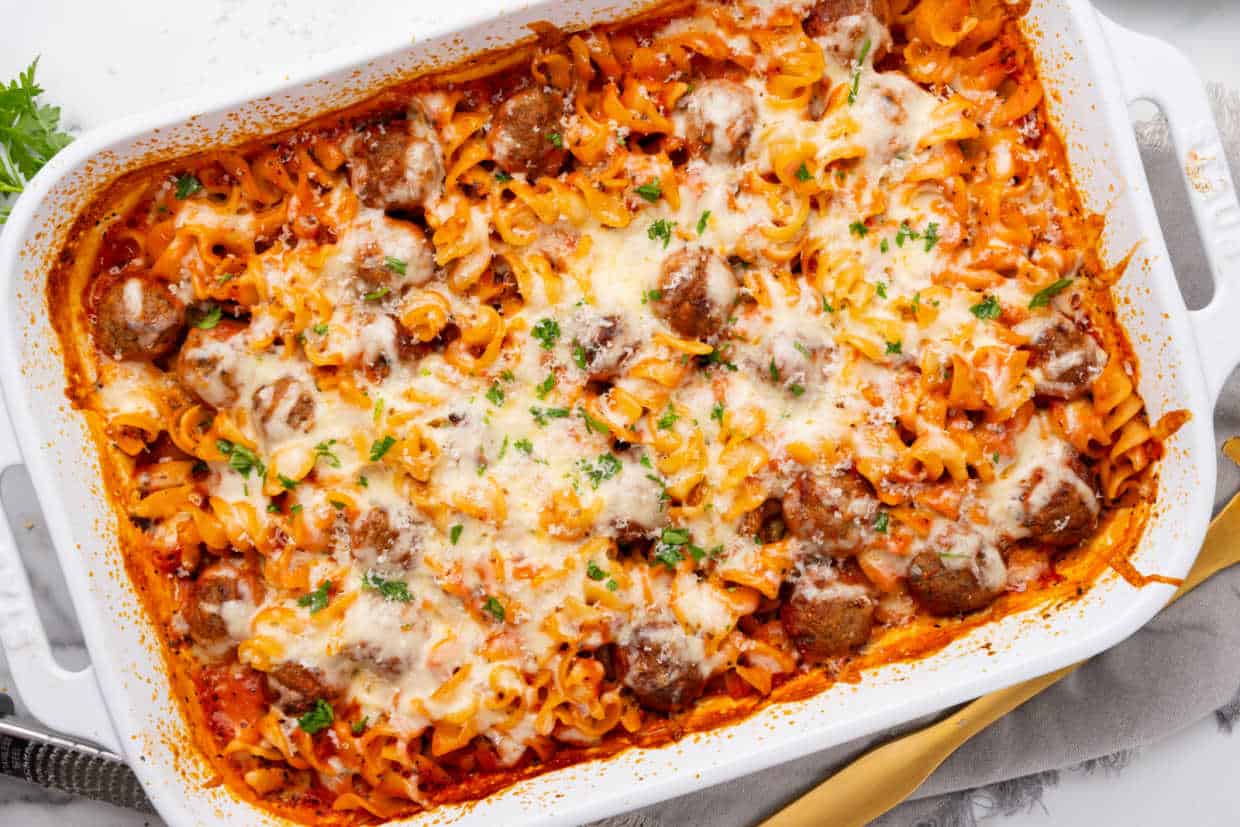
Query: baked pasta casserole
(601,390)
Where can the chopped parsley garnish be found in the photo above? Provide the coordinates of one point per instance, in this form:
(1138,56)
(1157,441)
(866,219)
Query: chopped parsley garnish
(494,608)
(363,481)
(661,230)
(524,446)
(880,523)
(375,295)
(592,424)
(826,306)
(651,191)
(858,229)
(380,447)
(702,221)
(716,357)
(802,349)
(883,246)
(904,233)
(803,172)
(1043,297)
(320,329)
(507,376)
(324,451)
(987,308)
(774,371)
(495,395)
(543,415)
(378,409)
(394,590)
(318,718)
(29,136)
(856,78)
(286,483)
(358,727)
(209,319)
(502,176)
(316,601)
(668,419)
(187,185)
(716,413)
(651,296)
(668,550)
(454,533)
(880,289)
(579,355)
(594,572)
(612,585)
(797,389)
(240,458)
(556,139)
(547,332)
(295,509)
(895,347)
(272,508)
(995,457)
(396,265)
(545,386)
(931,236)
(603,468)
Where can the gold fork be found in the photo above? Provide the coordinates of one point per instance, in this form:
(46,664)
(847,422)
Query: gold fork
(886,775)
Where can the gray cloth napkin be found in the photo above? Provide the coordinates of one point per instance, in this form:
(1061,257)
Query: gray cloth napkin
(1179,668)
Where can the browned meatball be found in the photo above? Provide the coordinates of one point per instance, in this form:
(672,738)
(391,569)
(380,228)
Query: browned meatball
(830,513)
(1065,360)
(396,165)
(719,120)
(825,617)
(657,665)
(208,362)
(1060,507)
(697,289)
(527,133)
(283,406)
(369,657)
(138,318)
(215,585)
(301,686)
(844,23)
(947,590)
(766,522)
(605,348)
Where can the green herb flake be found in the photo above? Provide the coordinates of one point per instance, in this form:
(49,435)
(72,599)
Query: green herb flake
(392,590)
(380,447)
(556,139)
(187,185)
(579,355)
(495,395)
(612,585)
(1043,297)
(358,727)
(703,219)
(209,319)
(716,413)
(502,177)
(592,424)
(826,306)
(324,452)
(286,483)
(895,348)
(375,295)
(494,608)
(601,469)
(318,718)
(797,389)
(396,265)
(856,78)
(931,236)
(241,459)
(543,415)
(651,191)
(454,533)
(524,446)
(881,522)
(547,332)
(668,419)
(858,229)
(803,172)
(880,290)
(883,246)
(594,572)
(661,230)
(545,386)
(987,309)
(321,329)
(317,600)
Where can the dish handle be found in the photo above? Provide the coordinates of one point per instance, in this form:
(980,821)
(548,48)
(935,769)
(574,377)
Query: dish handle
(67,701)
(1151,69)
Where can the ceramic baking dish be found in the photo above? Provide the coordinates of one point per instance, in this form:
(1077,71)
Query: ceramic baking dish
(1093,69)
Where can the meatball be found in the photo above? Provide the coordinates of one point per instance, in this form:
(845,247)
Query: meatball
(826,617)
(1060,506)
(948,590)
(138,318)
(845,25)
(719,117)
(605,348)
(300,686)
(1065,360)
(374,530)
(397,165)
(215,586)
(697,289)
(283,407)
(208,363)
(384,256)
(657,665)
(830,513)
(368,656)
(526,132)
(766,523)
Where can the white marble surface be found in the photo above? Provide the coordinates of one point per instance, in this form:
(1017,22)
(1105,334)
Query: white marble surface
(101,61)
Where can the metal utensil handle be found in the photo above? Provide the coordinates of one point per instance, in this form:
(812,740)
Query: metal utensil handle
(70,767)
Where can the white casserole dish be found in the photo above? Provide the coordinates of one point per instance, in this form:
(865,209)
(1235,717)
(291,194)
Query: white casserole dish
(1092,68)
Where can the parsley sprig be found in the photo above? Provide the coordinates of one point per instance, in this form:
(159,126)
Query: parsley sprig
(29,134)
